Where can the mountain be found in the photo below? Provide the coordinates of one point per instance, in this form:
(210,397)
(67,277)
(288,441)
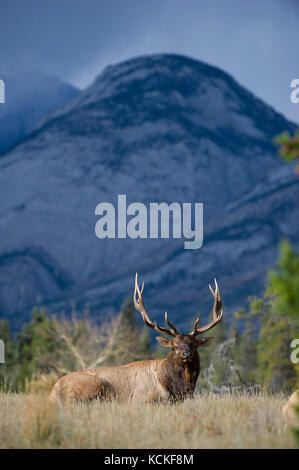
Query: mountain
(157,128)
(30,97)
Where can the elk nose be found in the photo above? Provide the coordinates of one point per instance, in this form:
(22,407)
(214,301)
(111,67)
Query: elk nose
(187,354)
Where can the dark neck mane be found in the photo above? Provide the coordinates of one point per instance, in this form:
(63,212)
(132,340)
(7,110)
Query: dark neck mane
(179,377)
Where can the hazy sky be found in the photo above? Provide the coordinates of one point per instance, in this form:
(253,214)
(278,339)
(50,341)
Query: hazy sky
(256,41)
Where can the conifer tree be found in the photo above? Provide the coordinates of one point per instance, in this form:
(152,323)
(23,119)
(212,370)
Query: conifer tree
(37,347)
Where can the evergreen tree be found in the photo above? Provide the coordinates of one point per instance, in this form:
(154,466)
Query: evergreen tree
(274,367)
(278,313)
(37,347)
(284,282)
(263,349)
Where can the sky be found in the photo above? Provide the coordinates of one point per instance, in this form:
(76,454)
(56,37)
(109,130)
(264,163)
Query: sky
(256,41)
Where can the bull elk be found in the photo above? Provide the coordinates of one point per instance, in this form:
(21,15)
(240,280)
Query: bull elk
(170,379)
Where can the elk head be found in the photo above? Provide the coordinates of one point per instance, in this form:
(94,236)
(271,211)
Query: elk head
(184,345)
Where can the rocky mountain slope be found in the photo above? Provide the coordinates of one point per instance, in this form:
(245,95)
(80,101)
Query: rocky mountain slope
(158,128)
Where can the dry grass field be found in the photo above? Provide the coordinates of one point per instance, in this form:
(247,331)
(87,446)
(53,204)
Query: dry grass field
(207,421)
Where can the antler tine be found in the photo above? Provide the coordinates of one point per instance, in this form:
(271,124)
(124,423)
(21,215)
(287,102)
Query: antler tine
(217,312)
(139,305)
(171,326)
(194,326)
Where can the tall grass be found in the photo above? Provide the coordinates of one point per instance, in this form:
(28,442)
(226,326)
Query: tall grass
(207,421)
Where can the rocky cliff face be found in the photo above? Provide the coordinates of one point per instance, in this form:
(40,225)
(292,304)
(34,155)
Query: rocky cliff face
(159,128)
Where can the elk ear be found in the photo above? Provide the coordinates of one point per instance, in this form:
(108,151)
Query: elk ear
(164,341)
(205,341)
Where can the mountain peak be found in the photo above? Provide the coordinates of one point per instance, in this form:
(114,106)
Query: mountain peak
(153,71)
(178,83)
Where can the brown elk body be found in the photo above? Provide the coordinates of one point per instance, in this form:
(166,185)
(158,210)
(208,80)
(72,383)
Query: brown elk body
(169,379)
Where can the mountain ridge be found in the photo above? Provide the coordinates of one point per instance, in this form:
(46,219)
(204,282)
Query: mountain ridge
(161,131)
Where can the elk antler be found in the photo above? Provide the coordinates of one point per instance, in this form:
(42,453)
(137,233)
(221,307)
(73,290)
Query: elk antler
(139,305)
(217,313)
